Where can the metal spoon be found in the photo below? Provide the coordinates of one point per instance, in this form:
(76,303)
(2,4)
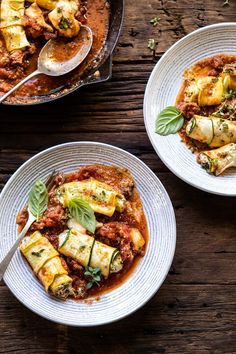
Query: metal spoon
(49,66)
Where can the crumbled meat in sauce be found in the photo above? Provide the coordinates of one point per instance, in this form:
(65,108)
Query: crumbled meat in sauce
(188,109)
(119,236)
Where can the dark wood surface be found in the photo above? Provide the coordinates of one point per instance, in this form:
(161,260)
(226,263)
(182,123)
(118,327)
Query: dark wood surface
(195,310)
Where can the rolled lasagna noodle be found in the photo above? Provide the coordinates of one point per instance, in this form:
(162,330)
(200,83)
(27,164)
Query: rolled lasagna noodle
(213,131)
(218,160)
(211,90)
(206,91)
(101,197)
(12,12)
(46,264)
(63,18)
(89,252)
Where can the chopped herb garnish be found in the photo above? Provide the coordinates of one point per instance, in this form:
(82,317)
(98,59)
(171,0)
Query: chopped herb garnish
(228,70)
(151,44)
(93,275)
(82,247)
(225,127)
(64,23)
(38,254)
(231,94)
(155,21)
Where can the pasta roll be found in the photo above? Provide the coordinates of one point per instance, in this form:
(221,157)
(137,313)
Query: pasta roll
(218,160)
(46,264)
(213,131)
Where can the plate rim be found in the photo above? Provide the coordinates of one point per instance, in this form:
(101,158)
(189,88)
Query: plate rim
(147,89)
(171,211)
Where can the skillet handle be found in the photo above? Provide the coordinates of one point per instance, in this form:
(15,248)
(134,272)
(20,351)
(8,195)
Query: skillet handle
(106,70)
(105,73)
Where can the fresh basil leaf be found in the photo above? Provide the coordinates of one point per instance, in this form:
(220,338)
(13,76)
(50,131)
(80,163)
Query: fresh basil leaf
(169,121)
(38,199)
(93,275)
(83,213)
(89,285)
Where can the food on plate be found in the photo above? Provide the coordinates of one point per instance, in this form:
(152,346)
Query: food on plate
(46,264)
(205,111)
(27,25)
(90,236)
(214,132)
(218,160)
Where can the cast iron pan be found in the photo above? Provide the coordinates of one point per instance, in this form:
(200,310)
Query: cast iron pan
(103,63)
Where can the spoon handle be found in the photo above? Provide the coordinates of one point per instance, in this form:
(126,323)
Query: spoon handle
(6,260)
(34,73)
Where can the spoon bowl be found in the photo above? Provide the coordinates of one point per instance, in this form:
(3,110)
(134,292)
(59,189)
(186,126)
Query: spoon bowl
(49,60)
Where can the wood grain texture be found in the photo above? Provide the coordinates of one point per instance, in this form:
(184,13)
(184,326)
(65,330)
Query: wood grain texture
(195,310)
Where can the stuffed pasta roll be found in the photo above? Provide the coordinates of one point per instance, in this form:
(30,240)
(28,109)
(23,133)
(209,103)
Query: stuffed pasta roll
(101,197)
(46,264)
(218,160)
(213,131)
(89,252)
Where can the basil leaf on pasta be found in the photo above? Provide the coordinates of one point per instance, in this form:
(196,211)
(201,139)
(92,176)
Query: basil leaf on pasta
(83,213)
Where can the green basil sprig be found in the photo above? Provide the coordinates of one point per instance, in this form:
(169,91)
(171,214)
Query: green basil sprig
(38,199)
(93,275)
(83,213)
(169,121)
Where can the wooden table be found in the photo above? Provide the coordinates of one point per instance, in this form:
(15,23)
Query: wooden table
(195,310)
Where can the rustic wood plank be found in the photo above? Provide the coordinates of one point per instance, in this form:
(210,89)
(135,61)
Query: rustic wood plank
(178,18)
(178,319)
(195,310)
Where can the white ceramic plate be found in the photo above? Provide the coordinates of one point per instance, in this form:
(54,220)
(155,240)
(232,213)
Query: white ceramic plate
(151,271)
(161,91)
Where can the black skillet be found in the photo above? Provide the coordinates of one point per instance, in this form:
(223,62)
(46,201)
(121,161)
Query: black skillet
(103,63)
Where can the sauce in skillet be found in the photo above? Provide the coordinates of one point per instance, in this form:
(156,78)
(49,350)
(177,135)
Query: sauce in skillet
(96,16)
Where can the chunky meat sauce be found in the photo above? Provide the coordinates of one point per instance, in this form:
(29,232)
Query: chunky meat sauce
(114,231)
(14,66)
